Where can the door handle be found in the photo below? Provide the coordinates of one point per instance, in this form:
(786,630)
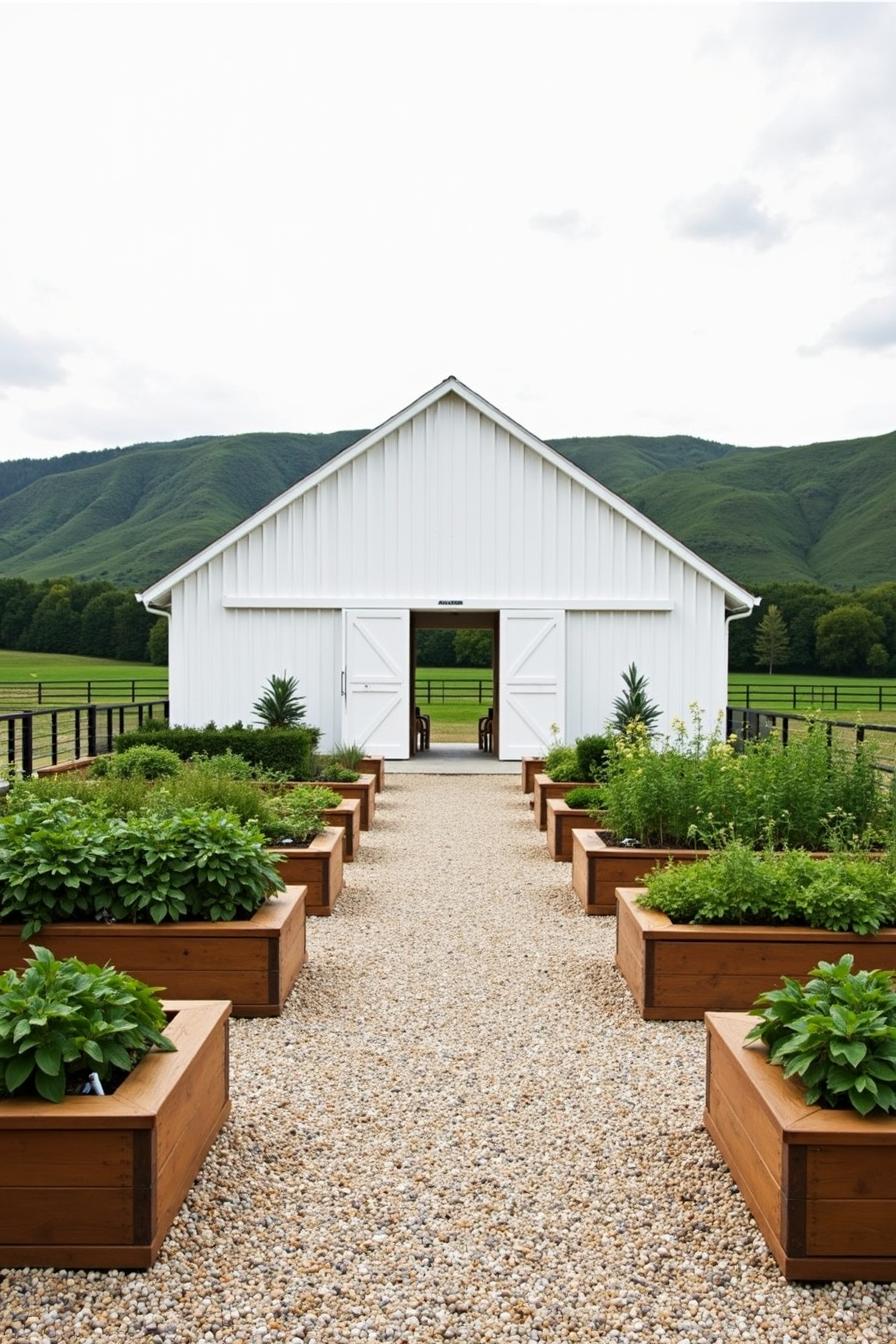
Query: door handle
(342,683)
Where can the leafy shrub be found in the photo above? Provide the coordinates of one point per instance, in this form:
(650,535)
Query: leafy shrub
(204,791)
(64,860)
(591,755)
(589,796)
(326,767)
(695,789)
(297,814)
(115,797)
(279,705)
(836,1033)
(561,764)
(62,1020)
(143,762)
(288,751)
(737,885)
(228,765)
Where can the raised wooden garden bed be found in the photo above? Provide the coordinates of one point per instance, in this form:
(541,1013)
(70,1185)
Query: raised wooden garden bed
(376,766)
(346,814)
(363,789)
(562,821)
(253,962)
(681,971)
(544,788)
(317,866)
(598,868)
(821,1184)
(531,766)
(96,1182)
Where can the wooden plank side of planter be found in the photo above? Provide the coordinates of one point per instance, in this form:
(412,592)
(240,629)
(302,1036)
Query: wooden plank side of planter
(318,867)
(253,962)
(544,788)
(363,789)
(346,814)
(376,766)
(820,1183)
(562,821)
(95,1203)
(677,972)
(531,766)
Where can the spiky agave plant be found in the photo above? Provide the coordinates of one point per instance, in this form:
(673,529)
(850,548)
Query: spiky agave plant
(633,705)
(279,706)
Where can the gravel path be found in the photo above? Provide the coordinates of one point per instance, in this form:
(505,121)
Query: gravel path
(460,1129)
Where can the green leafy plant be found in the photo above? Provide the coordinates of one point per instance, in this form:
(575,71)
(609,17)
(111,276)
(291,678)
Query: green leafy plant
(348,755)
(228,765)
(328,768)
(586,795)
(279,705)
(836,1033)
(63,1020)
(738,885)
(284,752)
(205,790)
(143,762)
(561,763)
(592,753)
(634,705)
(297,814)
(115,797)
(63,860)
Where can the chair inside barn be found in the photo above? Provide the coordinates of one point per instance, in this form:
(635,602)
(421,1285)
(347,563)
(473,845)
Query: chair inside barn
(486,729)
(423,727)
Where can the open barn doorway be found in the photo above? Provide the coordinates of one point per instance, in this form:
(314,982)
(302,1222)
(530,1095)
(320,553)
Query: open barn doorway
(454,675)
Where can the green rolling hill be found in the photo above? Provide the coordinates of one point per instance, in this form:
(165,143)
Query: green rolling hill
(823,512)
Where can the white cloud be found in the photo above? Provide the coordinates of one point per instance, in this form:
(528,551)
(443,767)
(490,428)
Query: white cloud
(569,224)
(730,212)
(28,361)
(871,326)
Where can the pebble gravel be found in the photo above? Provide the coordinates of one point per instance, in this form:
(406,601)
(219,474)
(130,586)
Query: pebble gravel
(460,1129)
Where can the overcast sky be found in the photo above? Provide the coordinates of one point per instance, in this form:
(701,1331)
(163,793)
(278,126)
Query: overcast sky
(636,219)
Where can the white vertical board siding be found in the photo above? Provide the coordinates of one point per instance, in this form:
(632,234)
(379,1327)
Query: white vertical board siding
(448,506)
(220,659)
(683,652)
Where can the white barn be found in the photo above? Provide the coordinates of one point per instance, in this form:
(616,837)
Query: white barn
(449,512)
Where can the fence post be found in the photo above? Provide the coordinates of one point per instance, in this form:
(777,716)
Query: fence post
(27,744)
(746,695)
(89,695)
(91,730)
(836,689)
(133,692)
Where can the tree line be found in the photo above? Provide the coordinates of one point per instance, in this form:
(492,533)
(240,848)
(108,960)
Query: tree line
(804,628)
(92,618)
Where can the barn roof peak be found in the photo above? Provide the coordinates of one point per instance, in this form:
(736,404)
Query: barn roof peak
(738,596)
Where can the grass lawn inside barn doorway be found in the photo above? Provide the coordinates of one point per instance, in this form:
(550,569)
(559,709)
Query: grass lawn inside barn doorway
(455,697)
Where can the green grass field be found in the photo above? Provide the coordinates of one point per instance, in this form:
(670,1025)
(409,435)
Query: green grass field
(29,668)
(454,721)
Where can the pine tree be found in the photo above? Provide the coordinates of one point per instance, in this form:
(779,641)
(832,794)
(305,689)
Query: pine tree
(772,641)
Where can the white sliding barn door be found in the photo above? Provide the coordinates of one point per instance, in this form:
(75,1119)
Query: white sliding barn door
(532,664)
(377,681)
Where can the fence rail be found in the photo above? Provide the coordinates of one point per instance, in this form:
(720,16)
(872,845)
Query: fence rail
(802,694)
(453,690)
(36,738)
(84,691)
(748,724)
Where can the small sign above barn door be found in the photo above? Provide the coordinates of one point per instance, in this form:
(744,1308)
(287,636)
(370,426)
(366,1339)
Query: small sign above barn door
(533,681)
(376,681)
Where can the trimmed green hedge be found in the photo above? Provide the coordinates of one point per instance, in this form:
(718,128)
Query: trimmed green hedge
(288,750)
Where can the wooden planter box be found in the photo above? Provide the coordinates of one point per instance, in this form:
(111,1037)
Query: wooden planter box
(96,1182)
(544,788)
(253,962)
(376,766)
(363,789)
(562,821)
(821,1184)
(598,868)
(317,866)
(532,765)
(346,814)
(680,971)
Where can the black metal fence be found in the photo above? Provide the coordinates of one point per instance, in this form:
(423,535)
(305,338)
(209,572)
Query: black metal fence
(33,739)
(453,690)
(747,724)
(803,694)
(113,690)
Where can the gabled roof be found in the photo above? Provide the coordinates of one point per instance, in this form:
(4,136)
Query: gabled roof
(738,595)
